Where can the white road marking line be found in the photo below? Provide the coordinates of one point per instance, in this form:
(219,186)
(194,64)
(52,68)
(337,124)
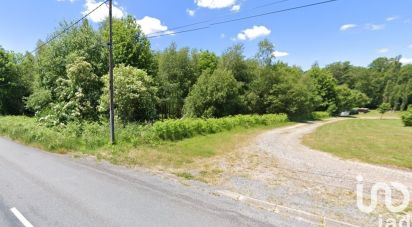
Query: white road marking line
(21,218)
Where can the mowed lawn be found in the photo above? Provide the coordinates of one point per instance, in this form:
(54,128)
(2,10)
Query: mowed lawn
(384,142)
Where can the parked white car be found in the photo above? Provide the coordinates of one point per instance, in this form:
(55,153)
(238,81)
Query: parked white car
(344,114)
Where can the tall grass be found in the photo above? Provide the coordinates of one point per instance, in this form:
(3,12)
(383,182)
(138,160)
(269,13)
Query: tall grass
(86,137)
(89,137)
(187,128)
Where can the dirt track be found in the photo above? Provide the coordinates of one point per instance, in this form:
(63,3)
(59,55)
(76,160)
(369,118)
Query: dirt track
(277,168)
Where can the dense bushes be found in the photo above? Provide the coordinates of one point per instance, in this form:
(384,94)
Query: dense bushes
(135,94)
(90,136)
(85,137)
(215,94)
(407,117)
(186,128)
(320,115)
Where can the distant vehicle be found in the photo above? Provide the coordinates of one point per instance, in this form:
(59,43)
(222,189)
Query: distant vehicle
(354,111)
(344,114)
(363,110)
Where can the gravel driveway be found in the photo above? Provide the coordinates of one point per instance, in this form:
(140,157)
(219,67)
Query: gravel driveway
(277,168)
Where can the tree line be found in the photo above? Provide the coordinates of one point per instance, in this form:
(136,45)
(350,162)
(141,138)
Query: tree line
(66,80)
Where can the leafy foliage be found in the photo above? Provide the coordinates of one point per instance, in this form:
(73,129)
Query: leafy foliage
(207,61)
(325,88)
(64,81)
(348,99)
(214,95)
(14,85)
(135,94)
(176,76)
(320,115)
(130,46)
(383,108)
(283,90)
(407,117)
(186,128)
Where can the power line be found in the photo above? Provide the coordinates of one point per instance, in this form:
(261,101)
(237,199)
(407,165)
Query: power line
(275,12)
(178,32)
(69,27)
(267,4)
(212,19)
(170,32)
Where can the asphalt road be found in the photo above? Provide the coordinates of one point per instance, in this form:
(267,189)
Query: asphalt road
(57,190)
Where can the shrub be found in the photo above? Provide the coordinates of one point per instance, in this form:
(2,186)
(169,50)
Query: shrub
(407,117)
(320,115)
(189,127)
(383,108)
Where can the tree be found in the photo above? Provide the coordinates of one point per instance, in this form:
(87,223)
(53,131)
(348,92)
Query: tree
(80,41)
(14,87)
(383,108)
(398,90)
(135,95)
(325,88)
(341,71)
(232,59)
(175,78)
(214,95)
(281,89)
(76,97)
(369,83)
(348,99)
(265,53)
(131,46)
(207,61)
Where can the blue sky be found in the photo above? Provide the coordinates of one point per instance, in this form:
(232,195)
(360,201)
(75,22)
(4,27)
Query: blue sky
(353,30)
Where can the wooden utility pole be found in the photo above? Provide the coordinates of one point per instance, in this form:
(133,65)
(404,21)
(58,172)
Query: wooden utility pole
(111,88)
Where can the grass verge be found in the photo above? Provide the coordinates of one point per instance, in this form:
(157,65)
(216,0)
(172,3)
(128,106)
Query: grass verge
(384,142)
(135,145)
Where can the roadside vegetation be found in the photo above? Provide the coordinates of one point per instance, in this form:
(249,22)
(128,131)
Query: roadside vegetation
(170,102)
(407,117)
(384,142)
(170,143)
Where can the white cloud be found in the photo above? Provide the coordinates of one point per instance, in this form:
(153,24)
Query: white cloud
(410,46)
(223,35)
(347,27)
(191,12)
(406,61)
(215,4)
(101,13)
(374,27)
(383,50)
(253,33)
(235,8)
(151,25)
(279,54)
(392,18)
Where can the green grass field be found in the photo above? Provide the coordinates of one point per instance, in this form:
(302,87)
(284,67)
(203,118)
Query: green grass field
(384,142)
(376,114)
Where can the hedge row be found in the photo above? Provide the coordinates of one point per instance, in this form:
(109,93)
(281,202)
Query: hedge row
(320,115)
(186,128)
